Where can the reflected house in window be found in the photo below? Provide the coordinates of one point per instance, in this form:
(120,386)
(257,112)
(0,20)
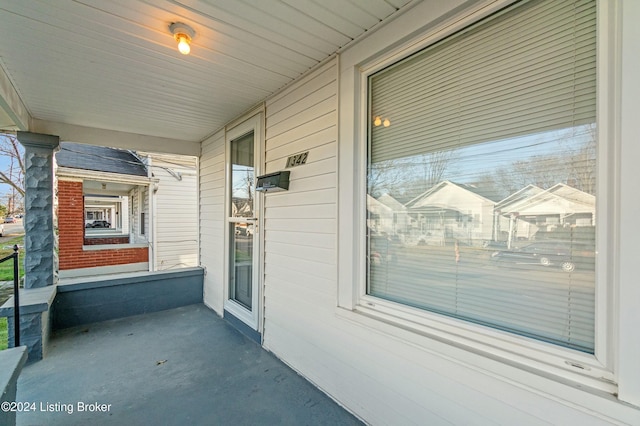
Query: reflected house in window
(387,215)
(449,212)
(533,212)
(506,223)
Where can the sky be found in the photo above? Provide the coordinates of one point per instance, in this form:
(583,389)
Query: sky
(5,190)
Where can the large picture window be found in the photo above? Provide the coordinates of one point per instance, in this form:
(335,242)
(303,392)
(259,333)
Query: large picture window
(481,175)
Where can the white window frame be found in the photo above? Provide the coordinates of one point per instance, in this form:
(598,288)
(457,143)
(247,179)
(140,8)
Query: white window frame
(422,327)
(252,122)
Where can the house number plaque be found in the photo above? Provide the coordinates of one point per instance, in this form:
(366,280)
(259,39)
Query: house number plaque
(297,160)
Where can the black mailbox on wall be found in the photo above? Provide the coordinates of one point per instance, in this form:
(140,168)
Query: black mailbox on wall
(273,182)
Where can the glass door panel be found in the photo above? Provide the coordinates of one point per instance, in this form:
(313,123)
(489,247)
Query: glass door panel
(241,268)
(242,225)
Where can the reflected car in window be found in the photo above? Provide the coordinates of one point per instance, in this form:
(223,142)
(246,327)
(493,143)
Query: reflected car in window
(98,224)
(566,255)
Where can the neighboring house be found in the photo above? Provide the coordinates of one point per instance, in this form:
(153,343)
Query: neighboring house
(559,205)
(387,215)
(111,187)
(546,210)
(453,211)
(175,210)
(507,226)
(138,209)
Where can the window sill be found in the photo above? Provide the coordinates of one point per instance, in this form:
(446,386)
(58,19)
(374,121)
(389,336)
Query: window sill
(509,358)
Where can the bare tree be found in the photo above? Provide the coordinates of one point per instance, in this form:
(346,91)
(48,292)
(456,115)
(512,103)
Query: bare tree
(406,178)
(13,173)
(427,170)
(543,171)
(582,163)
(434,165)
(573,163)
(386,177)
(243,190)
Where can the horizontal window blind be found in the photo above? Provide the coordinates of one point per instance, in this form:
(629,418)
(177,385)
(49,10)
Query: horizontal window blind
(527,70)
(481,174)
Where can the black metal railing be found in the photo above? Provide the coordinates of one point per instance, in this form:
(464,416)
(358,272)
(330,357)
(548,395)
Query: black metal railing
(16,294)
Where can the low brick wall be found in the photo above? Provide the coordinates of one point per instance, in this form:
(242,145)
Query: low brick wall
(96,241)
(75,259)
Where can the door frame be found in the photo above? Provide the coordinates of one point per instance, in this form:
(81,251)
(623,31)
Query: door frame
(254,318)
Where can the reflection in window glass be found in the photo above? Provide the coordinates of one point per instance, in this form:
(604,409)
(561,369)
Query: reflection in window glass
(242,175)
(241,271)
(482,175)
(241,233)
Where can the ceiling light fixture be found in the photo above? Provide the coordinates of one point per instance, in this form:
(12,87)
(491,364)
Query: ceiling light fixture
(183,35)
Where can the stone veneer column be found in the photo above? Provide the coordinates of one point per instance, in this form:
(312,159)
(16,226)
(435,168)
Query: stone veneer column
(39,241)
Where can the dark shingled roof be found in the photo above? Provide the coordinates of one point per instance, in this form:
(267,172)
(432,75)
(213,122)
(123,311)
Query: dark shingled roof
(99,158)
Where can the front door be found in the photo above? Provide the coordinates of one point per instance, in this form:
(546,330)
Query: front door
(243,266)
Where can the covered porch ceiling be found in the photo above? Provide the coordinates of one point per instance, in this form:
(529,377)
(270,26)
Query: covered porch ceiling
(108,72)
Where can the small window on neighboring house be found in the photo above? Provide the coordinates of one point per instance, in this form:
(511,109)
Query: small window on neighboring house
(142,223)
(494,125)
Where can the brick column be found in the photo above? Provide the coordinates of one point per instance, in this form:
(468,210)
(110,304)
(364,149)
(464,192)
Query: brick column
(70,223)
(40,258)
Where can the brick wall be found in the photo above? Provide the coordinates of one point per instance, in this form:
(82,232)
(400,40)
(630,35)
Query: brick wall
(71,235)
(94,241)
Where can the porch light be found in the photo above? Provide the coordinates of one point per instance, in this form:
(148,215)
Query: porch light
(183,35)
(386,122)
(377,121)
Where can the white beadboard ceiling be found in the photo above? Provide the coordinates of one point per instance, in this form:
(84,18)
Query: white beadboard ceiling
(112,64)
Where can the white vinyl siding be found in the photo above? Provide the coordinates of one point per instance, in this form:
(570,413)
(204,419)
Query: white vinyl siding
(300,224)
(212,219)
(176,211)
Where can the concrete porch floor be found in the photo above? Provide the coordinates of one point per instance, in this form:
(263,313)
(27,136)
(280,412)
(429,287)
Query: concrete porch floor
(175,367)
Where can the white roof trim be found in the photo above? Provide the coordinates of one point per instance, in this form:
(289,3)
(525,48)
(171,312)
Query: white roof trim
(67,172)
